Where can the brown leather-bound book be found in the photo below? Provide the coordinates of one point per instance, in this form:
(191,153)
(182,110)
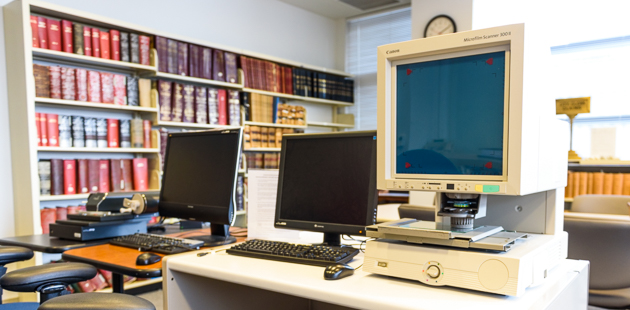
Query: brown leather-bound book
(244,65)
(127,174)
(598,183)
(201,105)
(568,190)
(182,58)
(116,180)
(589,184)
(178,102)
(279,138)
(171,61)
(206,63)
(96,42)
(626,184)
(583,183)
(247,138)
(231,74)
(608,183)
(42,31)
(83,180)
(188,93)
(255,136)
(54,34)
(193,60)
(93,175)
(259,161)
(34,31)
(66,37)
(617,186)
(218,66)
(161,45)
(56,176)
(272,137)
(42,81)
(165,93)
(213,106)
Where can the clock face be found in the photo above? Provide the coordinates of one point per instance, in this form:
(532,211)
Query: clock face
(440,24)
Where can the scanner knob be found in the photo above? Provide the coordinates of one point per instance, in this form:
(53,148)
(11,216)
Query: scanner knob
(433,271)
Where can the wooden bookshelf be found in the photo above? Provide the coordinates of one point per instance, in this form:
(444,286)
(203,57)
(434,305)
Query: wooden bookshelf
(93,105)
(97,150)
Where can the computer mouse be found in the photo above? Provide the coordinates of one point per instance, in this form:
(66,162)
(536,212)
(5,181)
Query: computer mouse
(336,272)
(147,259)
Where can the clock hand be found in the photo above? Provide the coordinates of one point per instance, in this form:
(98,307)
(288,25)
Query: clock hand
(444,29)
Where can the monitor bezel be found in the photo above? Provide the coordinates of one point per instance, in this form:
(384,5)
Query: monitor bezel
(326,227)
(422,57)
(170,209)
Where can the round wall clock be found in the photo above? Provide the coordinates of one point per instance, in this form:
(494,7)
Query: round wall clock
(441,24)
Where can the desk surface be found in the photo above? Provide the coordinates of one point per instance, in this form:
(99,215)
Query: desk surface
(364,290)
(47,244)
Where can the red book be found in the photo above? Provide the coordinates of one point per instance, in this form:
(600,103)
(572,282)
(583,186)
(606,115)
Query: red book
(83,176)
(115,46)
(68,83)
(98,282)
(145,50)
(140,174)
(87,41)
(107,87)
(69,177)
(120,89)
(39,129)
(42,32)
(117,184)
(127,171)
(104,44)
(34,31)
(223,118)
(43,127)
(48,216)
(94,86)
(93,175)
(86,286)
(53,129)
(55,82)
(81,86)
(146,127)
(62,213)
(54,35)
(103,176)
(66,27)
(112,132)
(96,43)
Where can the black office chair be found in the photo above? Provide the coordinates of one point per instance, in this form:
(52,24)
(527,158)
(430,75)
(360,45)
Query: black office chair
(11,255)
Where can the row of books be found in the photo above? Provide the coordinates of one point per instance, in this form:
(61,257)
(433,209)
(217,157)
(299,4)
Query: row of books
(197,104)
(187,59)
(89,86)
(597,183)
(50,215)
(74,176)
(257,136)
(263,160)
(78,131)
(71,37)
(266,75)
(268,109)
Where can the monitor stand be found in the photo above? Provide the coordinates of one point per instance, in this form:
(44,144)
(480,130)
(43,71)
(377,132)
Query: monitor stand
(219,235)
(331,239)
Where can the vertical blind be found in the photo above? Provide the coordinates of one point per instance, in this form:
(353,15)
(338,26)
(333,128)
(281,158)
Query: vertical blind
(363,36)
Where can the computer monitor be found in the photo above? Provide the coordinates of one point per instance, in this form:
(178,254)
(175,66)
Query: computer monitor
(199,181)
(327,183)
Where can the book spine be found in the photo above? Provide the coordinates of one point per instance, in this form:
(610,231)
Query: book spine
(48,216)
(222,101)
(68,83)
(255,136)
(146,128)
(101,133)
(92,172)
(218,66)
(213,106)
(193,60)
(42,81)
(55,82)
(39,129)
(112,132)
(182,58)
(127,171)
(105,48)
(42,32)
(608,183)
(178,102)
(125,133)
(115,46)
(171,59)
(617,185)
(234,108)
(54,34)
(164,93)
(206,63)
(94,86)
(83,176)
(201,105)
(145,50)
(69,177)
(243,60)
(81,86)
(56,176)
(116,182)
(161,44)
(239,194)
(53,129)
(78,131)
(246,106)
(247,138)
(107,87)
(120,89)
(264,138)
(43,170)
(87,40)
(140,174)
(90,132)
(272,137)
(188,92)
(144,92)
(626,184)
(137,133)
(66,27)
(43,127)
(34,31)
(583,183)
(65,130)
(134,47)
(103,176)
(124,47)
(231,73)
(62,213)
(589,183)
(132,91)
(96,42)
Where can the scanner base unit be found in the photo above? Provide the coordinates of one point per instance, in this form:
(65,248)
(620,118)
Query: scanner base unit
(507,273)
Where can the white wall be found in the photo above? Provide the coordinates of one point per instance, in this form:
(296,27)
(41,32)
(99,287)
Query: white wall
(422,11)
(266,26)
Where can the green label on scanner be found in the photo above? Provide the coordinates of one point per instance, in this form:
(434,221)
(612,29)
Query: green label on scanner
(491,188)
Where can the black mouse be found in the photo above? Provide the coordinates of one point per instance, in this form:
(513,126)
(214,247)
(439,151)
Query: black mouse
(336,272)
(147,259)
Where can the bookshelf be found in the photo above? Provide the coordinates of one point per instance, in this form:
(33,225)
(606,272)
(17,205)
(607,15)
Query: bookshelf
(97,150)
(91,105)
(613,183)
(261,124)
(94,62)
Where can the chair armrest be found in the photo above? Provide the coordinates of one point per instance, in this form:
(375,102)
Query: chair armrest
(35,278)
(11,254)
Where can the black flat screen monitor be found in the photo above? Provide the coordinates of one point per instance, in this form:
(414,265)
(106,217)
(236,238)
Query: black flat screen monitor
(327,184)
(199,181)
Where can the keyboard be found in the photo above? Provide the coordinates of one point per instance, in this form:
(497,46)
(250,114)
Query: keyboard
(157,243)
(318,255)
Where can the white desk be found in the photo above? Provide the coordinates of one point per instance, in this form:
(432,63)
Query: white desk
(222,281)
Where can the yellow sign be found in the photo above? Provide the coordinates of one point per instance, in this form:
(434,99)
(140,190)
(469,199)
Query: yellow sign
(573,106)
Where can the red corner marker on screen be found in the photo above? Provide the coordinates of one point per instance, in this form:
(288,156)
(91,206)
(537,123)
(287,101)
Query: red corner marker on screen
(407,165)
(409,71)
(490,61)
(488,165)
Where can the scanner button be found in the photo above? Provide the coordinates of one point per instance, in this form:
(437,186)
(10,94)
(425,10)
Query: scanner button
(433,271)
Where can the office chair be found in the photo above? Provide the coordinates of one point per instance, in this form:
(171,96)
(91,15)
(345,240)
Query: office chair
(10,255)
(423,213)
(602,204)
(604,242)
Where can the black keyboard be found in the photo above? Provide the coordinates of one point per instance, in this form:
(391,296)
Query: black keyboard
(318,255)
(157,243)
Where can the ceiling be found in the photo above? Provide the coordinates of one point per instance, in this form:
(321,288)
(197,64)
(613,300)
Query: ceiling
(337,9)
